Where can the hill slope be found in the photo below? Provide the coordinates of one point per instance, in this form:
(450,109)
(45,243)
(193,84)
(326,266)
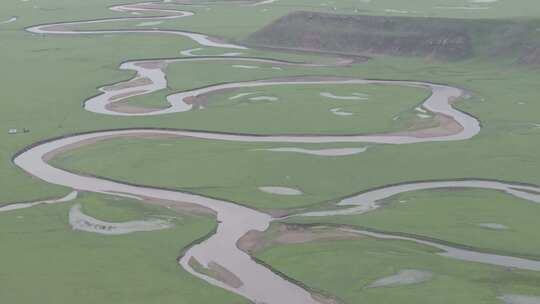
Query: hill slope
(441,38)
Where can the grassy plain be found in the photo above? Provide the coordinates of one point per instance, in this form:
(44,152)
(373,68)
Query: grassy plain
(56,73)
(346,269)
(45,261)
(46,79)
(375,114)
(456,216)
(234,170)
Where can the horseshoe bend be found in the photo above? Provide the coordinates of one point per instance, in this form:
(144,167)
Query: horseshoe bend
(270,152)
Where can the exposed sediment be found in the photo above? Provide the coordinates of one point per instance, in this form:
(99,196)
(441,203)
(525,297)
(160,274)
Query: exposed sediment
(82,222)
(403,277)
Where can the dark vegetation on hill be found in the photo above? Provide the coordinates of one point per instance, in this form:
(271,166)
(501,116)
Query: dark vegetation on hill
(439,38)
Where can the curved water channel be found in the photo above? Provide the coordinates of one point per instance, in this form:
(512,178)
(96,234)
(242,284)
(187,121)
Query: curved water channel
(258,283)
(152,78)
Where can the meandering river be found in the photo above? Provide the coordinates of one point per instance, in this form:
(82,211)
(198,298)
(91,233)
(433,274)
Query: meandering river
(258,283)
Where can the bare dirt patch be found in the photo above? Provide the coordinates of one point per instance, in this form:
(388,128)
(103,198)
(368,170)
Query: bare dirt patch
(156,64)
(446,127)
(255,241)
(182,207)
(403,277)
(125,95)
(224,275)
(136,82)
(323,299)
(278,213)
(124,107)
(217,272)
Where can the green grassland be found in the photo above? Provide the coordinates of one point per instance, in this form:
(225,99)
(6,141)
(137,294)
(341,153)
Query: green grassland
(45,261)
(48,102)
(505,150)
(117,209)
(46,79)
(454,216)
(346,268)
(280,116)
(503,97)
